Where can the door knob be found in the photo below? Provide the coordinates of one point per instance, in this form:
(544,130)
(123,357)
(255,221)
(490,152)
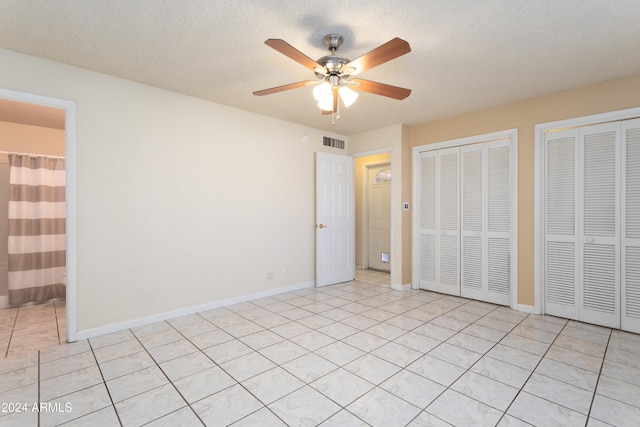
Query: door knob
(322,226)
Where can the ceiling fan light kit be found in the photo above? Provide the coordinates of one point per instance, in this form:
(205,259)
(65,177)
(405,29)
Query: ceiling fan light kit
(335,73)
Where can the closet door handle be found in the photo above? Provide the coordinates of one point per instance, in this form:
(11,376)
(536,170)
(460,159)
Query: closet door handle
(589,240)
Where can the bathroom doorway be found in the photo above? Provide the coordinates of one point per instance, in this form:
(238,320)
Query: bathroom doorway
(32,125)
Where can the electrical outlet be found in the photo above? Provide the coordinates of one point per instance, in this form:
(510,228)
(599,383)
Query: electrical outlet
(269,275)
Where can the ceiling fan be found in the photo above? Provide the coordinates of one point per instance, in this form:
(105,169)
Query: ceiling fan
(335,72)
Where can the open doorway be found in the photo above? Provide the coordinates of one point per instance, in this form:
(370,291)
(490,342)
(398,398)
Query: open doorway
(34,127)
(373,219)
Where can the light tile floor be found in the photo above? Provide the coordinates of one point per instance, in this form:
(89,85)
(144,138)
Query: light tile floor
(32,327)
(352,354)
(374,276)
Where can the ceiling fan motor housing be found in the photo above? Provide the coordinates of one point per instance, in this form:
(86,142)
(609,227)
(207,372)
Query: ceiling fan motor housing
(332,63)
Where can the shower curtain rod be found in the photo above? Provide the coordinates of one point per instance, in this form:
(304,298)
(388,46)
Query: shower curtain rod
(32,154)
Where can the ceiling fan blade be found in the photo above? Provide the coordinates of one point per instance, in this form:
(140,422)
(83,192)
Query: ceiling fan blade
(376,88)
(383,53)
(284,87)
(286,49)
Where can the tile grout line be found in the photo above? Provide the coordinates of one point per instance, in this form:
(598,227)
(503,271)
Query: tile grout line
(595,388)
(104,382)
(13,328)
(38,398)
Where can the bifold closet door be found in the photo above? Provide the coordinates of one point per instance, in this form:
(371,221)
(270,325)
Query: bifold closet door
(439,221)
(582,250)
(630,238)
(560,224)
(427,222)
(485,222)
(598,225)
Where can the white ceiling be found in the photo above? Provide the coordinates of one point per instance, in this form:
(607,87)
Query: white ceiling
(466,54)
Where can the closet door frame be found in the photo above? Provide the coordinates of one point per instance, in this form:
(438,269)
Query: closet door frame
(510,135)
(539,189)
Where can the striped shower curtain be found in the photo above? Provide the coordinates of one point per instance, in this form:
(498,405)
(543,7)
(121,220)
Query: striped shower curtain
(37,239)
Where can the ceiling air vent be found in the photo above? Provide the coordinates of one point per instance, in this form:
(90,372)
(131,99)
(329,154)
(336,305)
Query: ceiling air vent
(332,142)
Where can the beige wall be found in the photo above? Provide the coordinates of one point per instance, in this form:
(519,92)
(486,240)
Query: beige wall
(360,169)
(22,139)
(30,139)
(609,96)
(180,202)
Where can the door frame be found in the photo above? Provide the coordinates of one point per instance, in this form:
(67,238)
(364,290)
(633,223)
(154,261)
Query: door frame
(365,209)
(511,134)
(70,193)
(396,194)
(539,176)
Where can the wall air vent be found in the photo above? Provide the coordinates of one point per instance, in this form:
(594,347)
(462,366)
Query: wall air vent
(332,142)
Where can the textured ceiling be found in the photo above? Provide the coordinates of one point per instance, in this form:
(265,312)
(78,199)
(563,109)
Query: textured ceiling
(466,54)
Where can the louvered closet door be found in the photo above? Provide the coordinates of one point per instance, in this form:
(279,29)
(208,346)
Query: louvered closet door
(447,222)
(630,238)
(561,167)
(473,222)
(498,223)
(485,222)
(427,221)
(598,226)
(439,236)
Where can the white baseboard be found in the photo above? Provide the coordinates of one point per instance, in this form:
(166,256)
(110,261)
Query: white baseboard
(402,288)
(134,323)
(528,309)
(4,301)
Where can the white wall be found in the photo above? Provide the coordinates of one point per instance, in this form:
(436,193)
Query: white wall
(180,202)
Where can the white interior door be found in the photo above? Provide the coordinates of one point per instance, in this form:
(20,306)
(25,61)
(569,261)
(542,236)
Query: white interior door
(379,211)
(335,219)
